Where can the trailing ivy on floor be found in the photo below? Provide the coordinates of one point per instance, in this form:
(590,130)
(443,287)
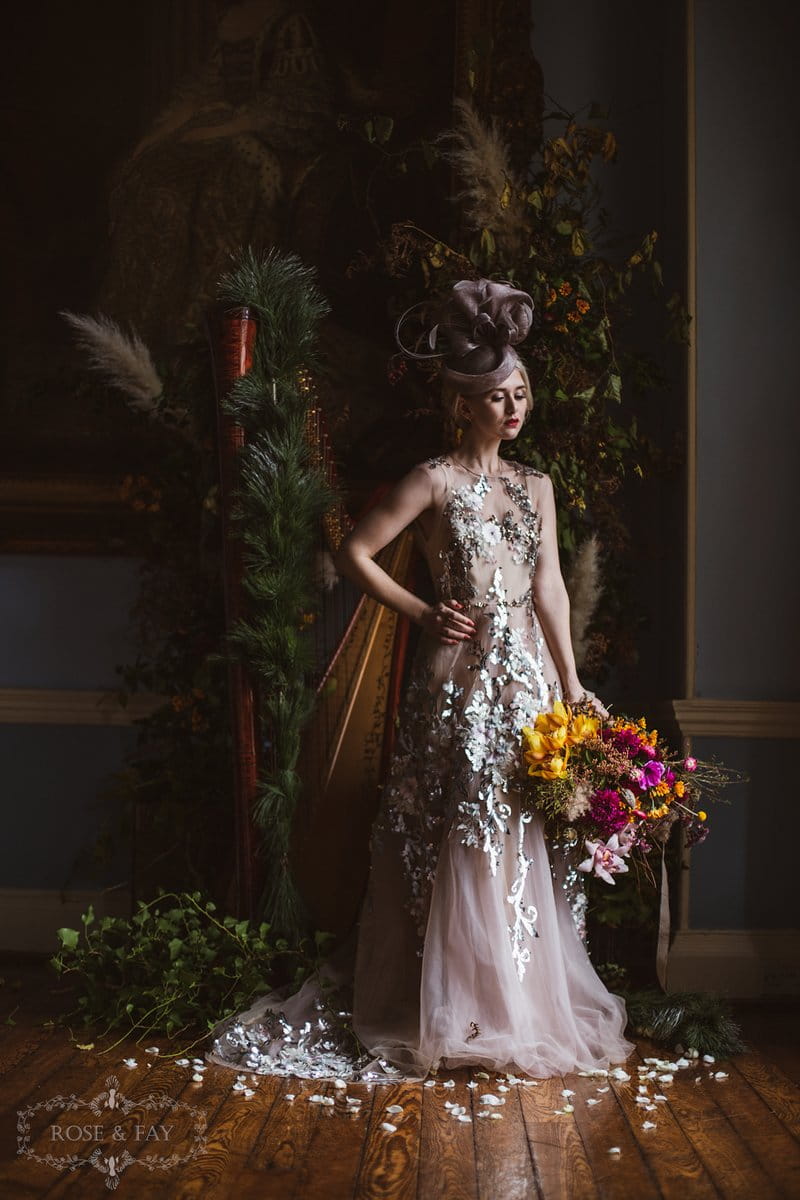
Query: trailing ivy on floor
(281,498)
(175,967)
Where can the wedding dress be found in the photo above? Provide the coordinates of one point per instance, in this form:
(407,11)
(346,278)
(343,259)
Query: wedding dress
(470,945)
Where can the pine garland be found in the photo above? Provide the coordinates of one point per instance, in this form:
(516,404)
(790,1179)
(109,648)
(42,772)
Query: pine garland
(280,500)
(691,1020)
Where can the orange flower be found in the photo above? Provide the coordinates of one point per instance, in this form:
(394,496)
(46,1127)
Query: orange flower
(576,318)
(582,306)
(680,788)
(565,289)
(552,296)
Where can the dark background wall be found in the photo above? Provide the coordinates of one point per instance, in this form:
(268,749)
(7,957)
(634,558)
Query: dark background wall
(80,86)
(629,58)
(748,434)
(633,58)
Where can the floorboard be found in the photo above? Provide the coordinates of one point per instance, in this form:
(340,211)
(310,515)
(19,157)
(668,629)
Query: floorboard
(732,1137)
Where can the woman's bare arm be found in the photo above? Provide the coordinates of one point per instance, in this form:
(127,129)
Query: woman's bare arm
(355,559)
(551,600)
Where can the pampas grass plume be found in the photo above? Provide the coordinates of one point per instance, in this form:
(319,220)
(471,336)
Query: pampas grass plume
(585,588)
(123,359)
(490,198)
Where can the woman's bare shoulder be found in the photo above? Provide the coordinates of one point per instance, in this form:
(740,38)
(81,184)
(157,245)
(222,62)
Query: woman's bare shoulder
(431,464)
(529,472)
(434,471)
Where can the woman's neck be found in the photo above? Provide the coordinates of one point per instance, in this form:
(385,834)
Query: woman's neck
(478,454)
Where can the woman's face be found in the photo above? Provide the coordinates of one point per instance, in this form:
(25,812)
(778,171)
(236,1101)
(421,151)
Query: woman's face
(499,413)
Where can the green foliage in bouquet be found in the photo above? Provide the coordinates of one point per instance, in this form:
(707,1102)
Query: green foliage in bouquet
(281,497)
(174,968)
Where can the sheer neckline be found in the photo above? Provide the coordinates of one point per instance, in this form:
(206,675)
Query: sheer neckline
(487,474)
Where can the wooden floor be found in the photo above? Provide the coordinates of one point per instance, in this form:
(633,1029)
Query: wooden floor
(728,1137)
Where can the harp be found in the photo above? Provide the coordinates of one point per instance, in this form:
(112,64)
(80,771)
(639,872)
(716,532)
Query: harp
(359,652)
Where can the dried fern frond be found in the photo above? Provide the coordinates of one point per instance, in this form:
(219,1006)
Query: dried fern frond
(480,156)
(584,589)
(123,359)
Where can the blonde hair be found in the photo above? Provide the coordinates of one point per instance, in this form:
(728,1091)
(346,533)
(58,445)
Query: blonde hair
(451,397)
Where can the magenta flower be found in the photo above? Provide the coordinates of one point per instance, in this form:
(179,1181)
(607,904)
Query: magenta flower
(629,742)
(648,750)
(625,740)
(651,774)
(608,810)
(606,859)
(690,764)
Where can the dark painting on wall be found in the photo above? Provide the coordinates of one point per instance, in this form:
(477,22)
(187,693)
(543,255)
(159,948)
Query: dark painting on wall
(146,143)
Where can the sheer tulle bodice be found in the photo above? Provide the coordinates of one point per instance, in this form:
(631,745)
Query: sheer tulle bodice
(470,943)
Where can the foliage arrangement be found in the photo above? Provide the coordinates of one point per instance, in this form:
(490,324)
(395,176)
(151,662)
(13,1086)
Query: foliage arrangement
(181,772)
(281,498)
(687,1021)
(690,1023)
(175,787)
(615,786)
(543,229)
(174,968)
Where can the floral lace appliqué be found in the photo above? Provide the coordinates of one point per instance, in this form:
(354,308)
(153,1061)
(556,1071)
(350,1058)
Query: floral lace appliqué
(456,759)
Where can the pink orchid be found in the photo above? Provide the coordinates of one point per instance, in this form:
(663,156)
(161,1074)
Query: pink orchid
(626,837)
(606,858)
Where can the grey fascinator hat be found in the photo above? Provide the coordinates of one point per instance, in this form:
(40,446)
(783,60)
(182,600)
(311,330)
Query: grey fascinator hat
(473,330)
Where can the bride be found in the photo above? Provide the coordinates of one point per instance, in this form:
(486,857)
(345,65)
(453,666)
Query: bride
(469,946)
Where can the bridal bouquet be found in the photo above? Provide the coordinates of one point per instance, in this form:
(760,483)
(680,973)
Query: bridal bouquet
(614,785)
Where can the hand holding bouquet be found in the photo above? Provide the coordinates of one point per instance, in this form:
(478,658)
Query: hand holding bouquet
(614,784)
